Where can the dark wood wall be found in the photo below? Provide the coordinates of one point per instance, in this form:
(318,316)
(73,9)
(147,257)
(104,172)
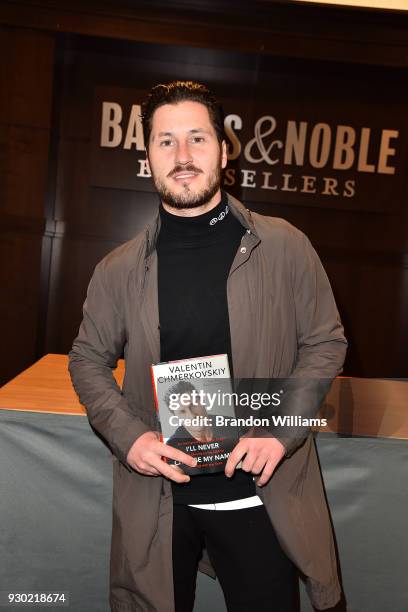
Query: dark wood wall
(27,68)
(57,221)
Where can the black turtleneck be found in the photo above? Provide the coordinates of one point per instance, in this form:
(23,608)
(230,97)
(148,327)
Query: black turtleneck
(195,255)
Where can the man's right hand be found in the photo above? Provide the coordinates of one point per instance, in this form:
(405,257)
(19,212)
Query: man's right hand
(146,457)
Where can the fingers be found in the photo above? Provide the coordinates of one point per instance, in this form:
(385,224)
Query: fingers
(155,466)
(177,455)
(153,463)
(146,457)
(266,473)
(254,463)
(168,471)
(260,462)
(177,467)
(261,457)
(235,457)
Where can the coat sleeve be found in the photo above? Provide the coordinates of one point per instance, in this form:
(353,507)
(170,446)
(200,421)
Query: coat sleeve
(95,353)
(321,344)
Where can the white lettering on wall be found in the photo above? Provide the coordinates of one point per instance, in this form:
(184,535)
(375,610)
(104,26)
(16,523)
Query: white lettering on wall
(111,132)
(323,146)
(295,143)
(386,151)
(363,165)
(234,146)
(134,132)
(343,150)
(320,145)
(144,170)
(258,140)
(248,177)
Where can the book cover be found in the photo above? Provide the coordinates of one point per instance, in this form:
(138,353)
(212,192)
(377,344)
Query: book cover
(196,408)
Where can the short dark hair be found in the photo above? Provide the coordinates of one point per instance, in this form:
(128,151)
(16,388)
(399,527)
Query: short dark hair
(180,91)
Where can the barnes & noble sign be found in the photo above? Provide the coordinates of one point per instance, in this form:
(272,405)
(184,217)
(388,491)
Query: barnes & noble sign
(272,157)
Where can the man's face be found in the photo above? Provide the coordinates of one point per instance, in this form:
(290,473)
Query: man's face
(185,156)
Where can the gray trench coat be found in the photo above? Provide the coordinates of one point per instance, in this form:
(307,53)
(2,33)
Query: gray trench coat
(283,321)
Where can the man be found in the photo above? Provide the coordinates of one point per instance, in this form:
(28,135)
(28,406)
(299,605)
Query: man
(208,277)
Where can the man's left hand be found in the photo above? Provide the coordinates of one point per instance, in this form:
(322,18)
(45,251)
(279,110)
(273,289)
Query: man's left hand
(262,455)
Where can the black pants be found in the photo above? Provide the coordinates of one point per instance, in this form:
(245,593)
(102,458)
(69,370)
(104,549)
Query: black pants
(253,571)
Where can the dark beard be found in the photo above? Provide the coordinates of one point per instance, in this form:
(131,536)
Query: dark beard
(188,199)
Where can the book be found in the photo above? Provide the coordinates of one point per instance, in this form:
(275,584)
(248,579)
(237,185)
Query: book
(196,409)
